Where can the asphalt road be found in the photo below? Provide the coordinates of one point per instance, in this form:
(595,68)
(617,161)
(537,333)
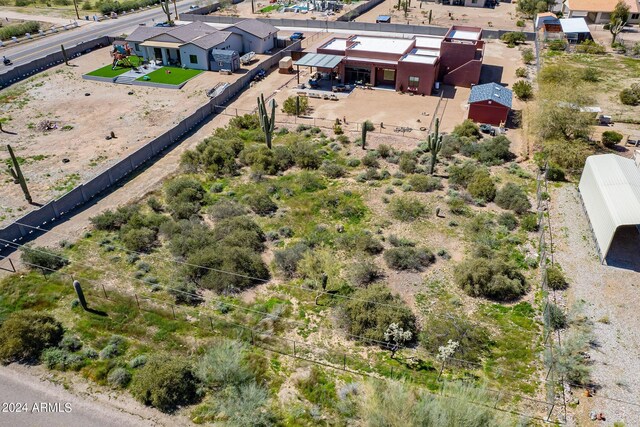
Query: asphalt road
(26,401)
(27,51)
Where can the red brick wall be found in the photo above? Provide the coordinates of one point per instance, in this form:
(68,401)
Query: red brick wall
(427,74)
(486,112)
(465,76)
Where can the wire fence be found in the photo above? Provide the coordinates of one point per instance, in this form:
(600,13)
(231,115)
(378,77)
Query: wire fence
(551,336)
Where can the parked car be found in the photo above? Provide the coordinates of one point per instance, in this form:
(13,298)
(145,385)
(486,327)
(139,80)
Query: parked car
(162,24)
(485,128)
(193,6)
(296,36)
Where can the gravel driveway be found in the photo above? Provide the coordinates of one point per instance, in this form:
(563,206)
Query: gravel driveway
(612,298)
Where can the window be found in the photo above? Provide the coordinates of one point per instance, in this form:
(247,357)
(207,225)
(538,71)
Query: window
(193,59)
(136,47)
(635,16)
(474,1)
(389,75)
(413,83)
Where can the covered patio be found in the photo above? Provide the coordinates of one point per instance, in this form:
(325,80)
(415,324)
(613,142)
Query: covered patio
(168,53)
(323,63)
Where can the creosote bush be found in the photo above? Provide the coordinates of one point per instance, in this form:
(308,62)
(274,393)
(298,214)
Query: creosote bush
(556,279)
(424,183)
(513,197)
(481,186)
(43,259)
(406,208)
(25,334)
(493,278)
(365,273)
(409,258)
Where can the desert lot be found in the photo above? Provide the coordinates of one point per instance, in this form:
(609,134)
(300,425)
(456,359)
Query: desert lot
(84,113)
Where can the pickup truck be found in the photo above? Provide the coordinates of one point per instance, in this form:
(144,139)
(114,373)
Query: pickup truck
(296,36)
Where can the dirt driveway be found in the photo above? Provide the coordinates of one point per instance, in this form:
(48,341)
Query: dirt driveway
(611,298)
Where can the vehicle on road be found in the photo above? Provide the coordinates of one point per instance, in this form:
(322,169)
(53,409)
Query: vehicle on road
(6,61)
(296,36)
(193,6)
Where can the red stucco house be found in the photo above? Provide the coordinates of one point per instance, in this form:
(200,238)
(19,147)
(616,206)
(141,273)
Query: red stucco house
(490,103)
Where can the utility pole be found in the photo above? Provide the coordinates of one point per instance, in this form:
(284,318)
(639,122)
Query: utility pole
(75,4)
(175,7)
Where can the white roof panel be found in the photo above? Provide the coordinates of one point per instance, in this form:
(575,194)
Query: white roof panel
(429,42)
(336,44)
(610,190)
(574,25)
(426,52)
(420,59)
(464,35)
(381,44)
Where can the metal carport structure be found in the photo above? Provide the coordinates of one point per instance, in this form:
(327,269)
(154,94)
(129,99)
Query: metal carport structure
(610,192)
(318,60)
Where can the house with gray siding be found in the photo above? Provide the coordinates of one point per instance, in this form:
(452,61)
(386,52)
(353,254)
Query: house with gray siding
(191,45)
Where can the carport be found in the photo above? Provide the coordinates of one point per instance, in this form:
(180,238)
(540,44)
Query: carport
(318,61)
(610,192)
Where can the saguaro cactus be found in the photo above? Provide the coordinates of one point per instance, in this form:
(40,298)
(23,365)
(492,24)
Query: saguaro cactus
(267,123)
(16,172)
(434,142)
(166,8)
(81,298)
(366,127)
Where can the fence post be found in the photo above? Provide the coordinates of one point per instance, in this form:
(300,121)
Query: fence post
(137,301)
(173,311)
(294,349)
(12,266)
(104,291)
(211,322)
(344,361)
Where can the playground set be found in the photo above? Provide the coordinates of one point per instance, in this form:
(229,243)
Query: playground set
(120,55)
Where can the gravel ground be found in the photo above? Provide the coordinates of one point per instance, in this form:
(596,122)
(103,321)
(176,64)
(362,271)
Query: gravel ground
(611,298)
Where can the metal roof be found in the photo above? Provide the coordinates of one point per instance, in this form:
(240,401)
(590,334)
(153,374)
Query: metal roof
(574,25)
(254,27)
(211,40)
(319,60)
(610,190)
(221,55)
(493,92)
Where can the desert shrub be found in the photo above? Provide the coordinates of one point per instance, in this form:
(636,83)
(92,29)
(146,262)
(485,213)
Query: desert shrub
(523,89)
(359,241)
(364,273)
(508,220)
(115,347)
(461,175)
(223,364)
(570,360)
(139,239)
(521,72)
(481,186)
(113,220)
(373,309)
(590,74)
(42,259)
(70,343)
(631,95)
(457,205)
(370,160)
(512,197)
(186,236)
(245,265)
(556,279)
(165,383)
(529,222)
(333,169)
(138,361)
(287,259)
(554,74)
(408,258)
(556,317)
(424,183)
(590,47)
(292,108)
(610,138)
(214,155)
(226,208)
(305,155)
(528,57)
(513,38)
(384,150)
(557,45)
(119,377)
(261,203)
(318,388)
(25,334)
(184,197)
(246,121)
(185,293)
(400,241)
(265,160)
(555,173)
(86,5)
(467,129)
(18,30)
(242,406)
(493,278)
(54,358)
(407,163)
(406,208)
(494,151)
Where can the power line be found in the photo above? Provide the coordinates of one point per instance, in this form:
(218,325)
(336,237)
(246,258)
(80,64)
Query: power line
(326,364)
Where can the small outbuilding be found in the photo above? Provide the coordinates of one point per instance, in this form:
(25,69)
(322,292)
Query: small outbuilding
(224,60)
(490,103)
(575,30)
(383,19)
(610,192)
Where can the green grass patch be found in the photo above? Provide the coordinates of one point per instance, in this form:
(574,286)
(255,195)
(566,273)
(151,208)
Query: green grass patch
(109,72)
(170,75)
(269,8)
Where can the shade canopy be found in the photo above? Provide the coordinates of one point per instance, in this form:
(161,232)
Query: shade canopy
(319,60)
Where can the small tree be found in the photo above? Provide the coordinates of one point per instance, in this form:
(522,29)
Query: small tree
(397,337)
(445,352)
(366,127)
(618,20)
(296,105)
(513,38)
(523,89)
(610,138)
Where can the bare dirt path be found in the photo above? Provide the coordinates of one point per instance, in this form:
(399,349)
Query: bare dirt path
(611,297)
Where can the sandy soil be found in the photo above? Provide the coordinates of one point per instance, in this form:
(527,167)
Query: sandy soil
(502,17)
(611,299)
(60,95)
(46,20)
(243,9)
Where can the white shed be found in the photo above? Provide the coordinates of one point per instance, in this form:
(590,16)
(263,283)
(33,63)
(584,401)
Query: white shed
(610,192)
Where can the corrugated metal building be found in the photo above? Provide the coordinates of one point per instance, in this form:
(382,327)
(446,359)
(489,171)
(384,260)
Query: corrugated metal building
(610,192)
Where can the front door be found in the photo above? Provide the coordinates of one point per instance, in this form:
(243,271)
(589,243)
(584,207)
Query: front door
(157,53)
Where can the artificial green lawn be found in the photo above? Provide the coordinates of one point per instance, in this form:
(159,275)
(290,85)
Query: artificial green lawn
(106,71)
(176,77)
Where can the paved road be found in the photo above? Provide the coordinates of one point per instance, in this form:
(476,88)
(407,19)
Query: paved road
(41,403)
(28,51)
